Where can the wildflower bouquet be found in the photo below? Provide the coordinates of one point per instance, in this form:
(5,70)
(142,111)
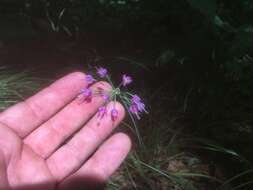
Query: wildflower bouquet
(132,102)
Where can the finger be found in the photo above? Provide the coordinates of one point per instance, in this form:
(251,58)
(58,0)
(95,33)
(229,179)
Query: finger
(46,138)
(96,171)
(3,175)
(83,144)
(24,117)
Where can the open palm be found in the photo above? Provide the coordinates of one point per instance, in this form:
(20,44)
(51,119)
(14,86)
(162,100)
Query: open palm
(52,140)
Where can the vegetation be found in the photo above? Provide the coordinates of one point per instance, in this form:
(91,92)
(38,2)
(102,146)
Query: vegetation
(195,57)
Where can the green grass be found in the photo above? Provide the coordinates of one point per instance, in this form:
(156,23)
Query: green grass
(151,166)
(15,86)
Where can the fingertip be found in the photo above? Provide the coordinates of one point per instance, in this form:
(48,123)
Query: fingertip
(74,80)
(124,141)
(119,107)
(104,85)
(77,74)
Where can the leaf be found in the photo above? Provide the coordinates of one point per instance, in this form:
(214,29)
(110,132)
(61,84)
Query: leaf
(207,7)
(218,21)
(235,177)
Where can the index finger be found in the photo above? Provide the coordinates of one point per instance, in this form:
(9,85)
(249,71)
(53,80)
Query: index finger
(25,116)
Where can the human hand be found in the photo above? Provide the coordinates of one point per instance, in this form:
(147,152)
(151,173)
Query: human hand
(53,141)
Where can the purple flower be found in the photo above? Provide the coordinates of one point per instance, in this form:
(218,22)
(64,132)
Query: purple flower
(126,80)
(106,97)
(102,72)
(89,79)
(141,107)
(135,99)
(102,112)
(86,93)
(114,114)
(134,110)
(137,106)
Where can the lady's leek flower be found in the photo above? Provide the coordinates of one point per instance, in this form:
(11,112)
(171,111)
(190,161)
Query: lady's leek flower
(89,79)
(126,80)
(114,114)
(132,102)
(102,112)
(102,72)
(87,94)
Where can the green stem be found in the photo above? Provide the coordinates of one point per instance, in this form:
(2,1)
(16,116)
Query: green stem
(135,126)
(110,81)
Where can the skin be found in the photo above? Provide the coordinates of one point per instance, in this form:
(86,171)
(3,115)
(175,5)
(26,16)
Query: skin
(54,140)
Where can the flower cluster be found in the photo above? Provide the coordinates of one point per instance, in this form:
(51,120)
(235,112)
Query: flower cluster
(137,106)
(132,102)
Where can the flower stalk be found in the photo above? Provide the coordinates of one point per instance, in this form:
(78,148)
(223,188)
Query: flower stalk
(132,102)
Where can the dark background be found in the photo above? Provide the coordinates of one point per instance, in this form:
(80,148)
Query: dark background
(191,61)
